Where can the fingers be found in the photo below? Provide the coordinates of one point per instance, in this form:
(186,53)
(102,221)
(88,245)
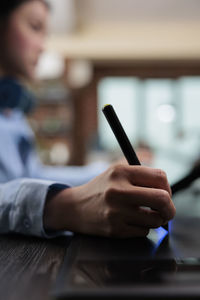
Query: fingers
(136,222)
(132,197)
(143,217)
(124,201)
(157,199)
(148,177)
(140,176)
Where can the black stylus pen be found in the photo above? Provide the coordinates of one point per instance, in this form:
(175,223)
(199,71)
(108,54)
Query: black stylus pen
(122,137)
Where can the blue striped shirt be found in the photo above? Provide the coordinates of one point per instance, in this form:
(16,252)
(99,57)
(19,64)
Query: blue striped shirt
(24,180)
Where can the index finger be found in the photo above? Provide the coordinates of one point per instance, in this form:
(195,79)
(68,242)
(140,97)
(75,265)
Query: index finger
(148,177)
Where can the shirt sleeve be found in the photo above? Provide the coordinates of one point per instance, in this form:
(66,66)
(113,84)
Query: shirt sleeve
(18,143)
(9,168)
(21,207)
(72,175)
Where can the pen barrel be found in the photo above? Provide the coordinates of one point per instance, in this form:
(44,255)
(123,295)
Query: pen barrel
(120,135)
(185,182)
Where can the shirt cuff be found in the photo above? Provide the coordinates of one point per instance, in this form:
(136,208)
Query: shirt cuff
(27,214)
(53,190)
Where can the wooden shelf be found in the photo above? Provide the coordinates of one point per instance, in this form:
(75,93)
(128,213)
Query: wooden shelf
(130,41)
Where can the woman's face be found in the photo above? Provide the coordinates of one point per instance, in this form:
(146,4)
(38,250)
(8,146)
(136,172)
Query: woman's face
(24,38)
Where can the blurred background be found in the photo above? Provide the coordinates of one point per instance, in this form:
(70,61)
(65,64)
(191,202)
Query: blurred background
(141,56)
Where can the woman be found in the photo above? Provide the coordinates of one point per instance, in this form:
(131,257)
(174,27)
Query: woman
(111,204)
(22,42)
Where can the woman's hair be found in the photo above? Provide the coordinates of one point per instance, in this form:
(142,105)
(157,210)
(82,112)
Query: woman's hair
(8,6)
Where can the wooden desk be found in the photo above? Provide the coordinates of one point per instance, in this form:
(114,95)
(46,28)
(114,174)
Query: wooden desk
(29,266)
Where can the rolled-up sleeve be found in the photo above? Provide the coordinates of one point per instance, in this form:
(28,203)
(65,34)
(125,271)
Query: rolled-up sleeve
(22,205)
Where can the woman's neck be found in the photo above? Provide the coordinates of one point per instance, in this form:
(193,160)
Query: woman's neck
(2,74)
(12,75)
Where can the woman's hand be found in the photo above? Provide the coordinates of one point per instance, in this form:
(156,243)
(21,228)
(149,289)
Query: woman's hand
(124,201)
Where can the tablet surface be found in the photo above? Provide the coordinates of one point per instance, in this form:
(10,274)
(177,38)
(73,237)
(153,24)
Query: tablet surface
(161,266)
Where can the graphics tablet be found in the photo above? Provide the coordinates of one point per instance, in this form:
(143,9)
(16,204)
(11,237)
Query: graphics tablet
(161,266)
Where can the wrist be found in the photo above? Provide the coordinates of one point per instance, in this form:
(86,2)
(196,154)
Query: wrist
(59,211)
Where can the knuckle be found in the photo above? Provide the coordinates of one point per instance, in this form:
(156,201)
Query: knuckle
(113,195)
(110,195)
(116,171)
(166,205)
(161,175)
(172,212)
(109,215)
(164,198)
